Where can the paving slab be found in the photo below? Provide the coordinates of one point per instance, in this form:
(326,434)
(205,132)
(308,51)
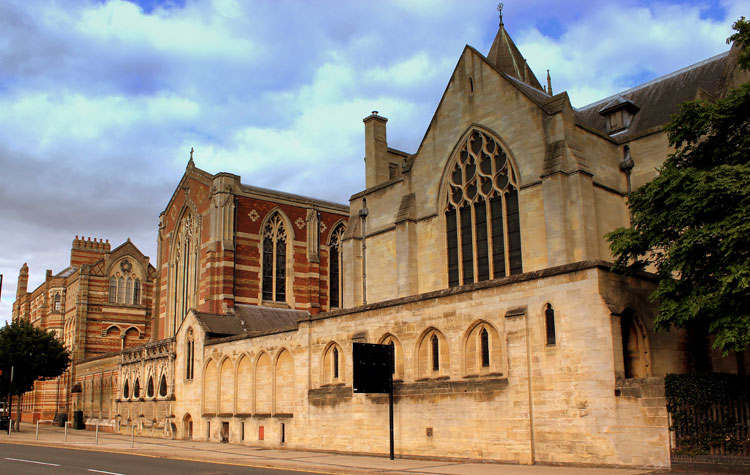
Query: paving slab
(285,458)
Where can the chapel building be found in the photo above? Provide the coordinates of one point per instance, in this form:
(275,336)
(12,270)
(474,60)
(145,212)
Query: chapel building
(479,257)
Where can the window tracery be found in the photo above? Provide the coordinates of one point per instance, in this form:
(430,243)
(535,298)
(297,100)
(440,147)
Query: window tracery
(184,266)
(482,214)
(335,258)
(274,260)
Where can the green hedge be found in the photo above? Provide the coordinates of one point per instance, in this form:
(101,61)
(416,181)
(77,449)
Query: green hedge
(704,408)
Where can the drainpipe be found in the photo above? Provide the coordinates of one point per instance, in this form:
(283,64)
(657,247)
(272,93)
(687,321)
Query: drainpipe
(626,165)
(363,216)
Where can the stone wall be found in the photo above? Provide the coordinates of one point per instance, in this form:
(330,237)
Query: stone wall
(533,402)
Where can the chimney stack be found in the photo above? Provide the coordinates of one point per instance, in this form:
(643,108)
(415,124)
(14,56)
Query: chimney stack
(376,150)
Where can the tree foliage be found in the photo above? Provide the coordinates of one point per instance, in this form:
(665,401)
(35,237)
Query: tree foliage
(691,224)
(33,353)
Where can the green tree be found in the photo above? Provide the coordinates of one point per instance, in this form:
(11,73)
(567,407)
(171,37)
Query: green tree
(691,224)
(33,354)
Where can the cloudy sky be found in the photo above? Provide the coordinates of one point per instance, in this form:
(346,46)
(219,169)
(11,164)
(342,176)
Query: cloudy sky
(101,101)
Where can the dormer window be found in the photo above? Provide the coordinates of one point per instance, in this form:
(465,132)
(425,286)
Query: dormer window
(619,114)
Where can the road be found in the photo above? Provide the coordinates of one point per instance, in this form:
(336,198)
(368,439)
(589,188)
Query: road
(26,459)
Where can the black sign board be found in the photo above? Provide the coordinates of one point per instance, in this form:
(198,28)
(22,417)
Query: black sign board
(373,373)
(372,368)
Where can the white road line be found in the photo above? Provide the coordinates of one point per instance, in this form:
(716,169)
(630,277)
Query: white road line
(32,461)
(102,471)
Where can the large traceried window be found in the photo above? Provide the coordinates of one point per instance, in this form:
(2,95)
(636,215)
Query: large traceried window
(335,254)
(274,260)
(482,216)
(184,280)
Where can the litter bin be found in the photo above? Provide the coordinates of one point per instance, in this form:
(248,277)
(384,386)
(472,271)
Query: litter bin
(78,420)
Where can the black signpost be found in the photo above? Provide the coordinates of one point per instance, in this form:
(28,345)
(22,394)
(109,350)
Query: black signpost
(373,373)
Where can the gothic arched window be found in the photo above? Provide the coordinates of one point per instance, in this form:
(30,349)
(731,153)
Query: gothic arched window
(128,291)
(163,386)
(126,391)
(137,292)
(334,266)
(482,215)
(121,290)
(184,268)
(189,355)
(150,387)
(137,388)
(274,260)
(549,320)
(484,342)
(435,353)
(113,289)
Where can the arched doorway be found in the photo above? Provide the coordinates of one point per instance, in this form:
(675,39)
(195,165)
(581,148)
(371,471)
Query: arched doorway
(187,427)
(635,347)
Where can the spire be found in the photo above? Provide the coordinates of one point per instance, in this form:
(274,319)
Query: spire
(549,83)
(191,163)
(504,55)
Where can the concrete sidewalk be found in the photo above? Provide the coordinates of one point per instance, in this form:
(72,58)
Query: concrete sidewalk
(279,458)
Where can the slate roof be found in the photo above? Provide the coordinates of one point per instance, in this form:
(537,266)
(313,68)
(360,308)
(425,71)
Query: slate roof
(261,320)
(506,57)
(250,320)
(660,98)
(67,272)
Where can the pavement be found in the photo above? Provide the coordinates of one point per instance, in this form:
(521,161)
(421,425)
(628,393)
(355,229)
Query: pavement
(298,460)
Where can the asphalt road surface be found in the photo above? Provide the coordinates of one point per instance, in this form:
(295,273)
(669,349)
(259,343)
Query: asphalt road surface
(27,459)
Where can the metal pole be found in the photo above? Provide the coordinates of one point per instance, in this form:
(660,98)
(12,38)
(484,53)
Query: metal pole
(37,430)
(66,431)
(390,412)
(132,435)
(97,432)
(10,406)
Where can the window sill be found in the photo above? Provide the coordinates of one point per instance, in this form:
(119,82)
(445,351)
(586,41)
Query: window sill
(274,304)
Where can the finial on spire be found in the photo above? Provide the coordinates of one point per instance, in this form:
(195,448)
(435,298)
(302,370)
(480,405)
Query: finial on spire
(190,162)
(500,10)
(191,152)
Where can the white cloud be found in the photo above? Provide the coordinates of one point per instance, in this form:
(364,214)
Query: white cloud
(101,102)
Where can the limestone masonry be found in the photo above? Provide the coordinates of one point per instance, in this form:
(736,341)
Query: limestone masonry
(480,257)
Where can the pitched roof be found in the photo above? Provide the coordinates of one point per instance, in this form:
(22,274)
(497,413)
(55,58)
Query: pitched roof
(261,320)
(250,320)
(506,57)
(67,272)
(658,99)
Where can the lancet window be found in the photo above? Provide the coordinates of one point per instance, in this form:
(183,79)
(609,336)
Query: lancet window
(189,355)
(482,215)
(274,259)
(334,266)
(125,289)
(184,281)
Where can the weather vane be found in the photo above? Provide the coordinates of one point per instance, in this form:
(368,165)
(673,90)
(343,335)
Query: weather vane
(500,9)
(191,153)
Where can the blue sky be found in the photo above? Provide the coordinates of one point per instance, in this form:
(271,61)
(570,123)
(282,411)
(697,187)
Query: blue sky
(101,100)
